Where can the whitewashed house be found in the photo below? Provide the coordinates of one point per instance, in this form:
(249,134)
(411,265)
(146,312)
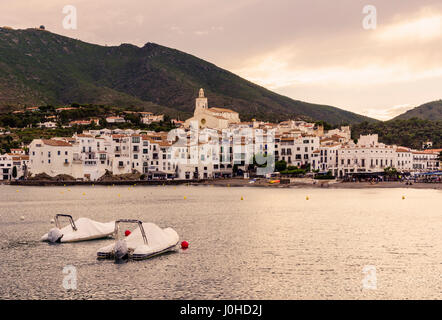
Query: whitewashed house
(368,155)
(52,157)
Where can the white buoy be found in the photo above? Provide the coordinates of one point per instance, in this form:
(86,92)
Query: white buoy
(22,218)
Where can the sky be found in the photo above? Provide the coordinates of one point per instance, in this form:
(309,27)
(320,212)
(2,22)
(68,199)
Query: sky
(319,51)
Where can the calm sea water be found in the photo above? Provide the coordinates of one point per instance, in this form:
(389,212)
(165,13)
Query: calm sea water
(274,244)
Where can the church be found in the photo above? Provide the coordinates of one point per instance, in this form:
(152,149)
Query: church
(214,118)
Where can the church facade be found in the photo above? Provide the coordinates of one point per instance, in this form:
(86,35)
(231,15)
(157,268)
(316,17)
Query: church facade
(214,118)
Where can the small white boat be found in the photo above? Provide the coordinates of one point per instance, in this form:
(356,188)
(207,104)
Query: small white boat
(146,241)
(80,230)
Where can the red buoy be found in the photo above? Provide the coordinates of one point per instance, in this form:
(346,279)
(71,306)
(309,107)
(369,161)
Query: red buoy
(184,245)
(127,233)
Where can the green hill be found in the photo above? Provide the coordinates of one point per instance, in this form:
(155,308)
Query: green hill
(428,111)
(39,68)
(408,133)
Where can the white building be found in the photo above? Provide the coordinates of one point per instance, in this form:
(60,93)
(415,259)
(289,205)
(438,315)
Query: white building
(424,161)
(149,117)
(47,124)
(326,158)
(296,151)
(115,120)
(404,159)
(52,157)
(6,167)
(368,155)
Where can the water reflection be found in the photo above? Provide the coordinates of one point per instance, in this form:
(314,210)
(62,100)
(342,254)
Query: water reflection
(274,244)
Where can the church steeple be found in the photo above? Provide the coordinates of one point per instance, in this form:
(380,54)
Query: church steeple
(201,102)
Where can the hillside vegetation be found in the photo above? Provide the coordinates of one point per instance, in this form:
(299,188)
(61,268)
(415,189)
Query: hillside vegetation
(41,68)
(408,133)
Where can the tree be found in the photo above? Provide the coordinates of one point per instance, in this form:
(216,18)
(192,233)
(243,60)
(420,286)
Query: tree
(389,171)
(280,165)
(134,118)
(14,172)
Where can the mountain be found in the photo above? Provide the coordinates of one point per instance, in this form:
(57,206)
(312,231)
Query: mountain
(38,67)
(428,111)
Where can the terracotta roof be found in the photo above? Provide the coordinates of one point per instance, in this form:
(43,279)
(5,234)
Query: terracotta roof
(164,143)
(19,157)
(221,110)
(80,122)
(427,152)
(57,143)
(433,150)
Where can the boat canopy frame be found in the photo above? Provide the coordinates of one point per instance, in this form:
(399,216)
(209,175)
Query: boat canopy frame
(140,225)
(71,220)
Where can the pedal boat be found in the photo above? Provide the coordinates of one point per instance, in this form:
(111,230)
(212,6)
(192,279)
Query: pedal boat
(146,241)
(82,229)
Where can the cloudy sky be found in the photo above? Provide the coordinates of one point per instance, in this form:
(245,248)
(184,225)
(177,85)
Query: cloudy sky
(311,50)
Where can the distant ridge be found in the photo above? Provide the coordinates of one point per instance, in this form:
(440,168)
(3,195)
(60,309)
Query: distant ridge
(428,111)
(39,67)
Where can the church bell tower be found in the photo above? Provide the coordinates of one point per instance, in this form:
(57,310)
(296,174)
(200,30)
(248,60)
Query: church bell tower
(201,103)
